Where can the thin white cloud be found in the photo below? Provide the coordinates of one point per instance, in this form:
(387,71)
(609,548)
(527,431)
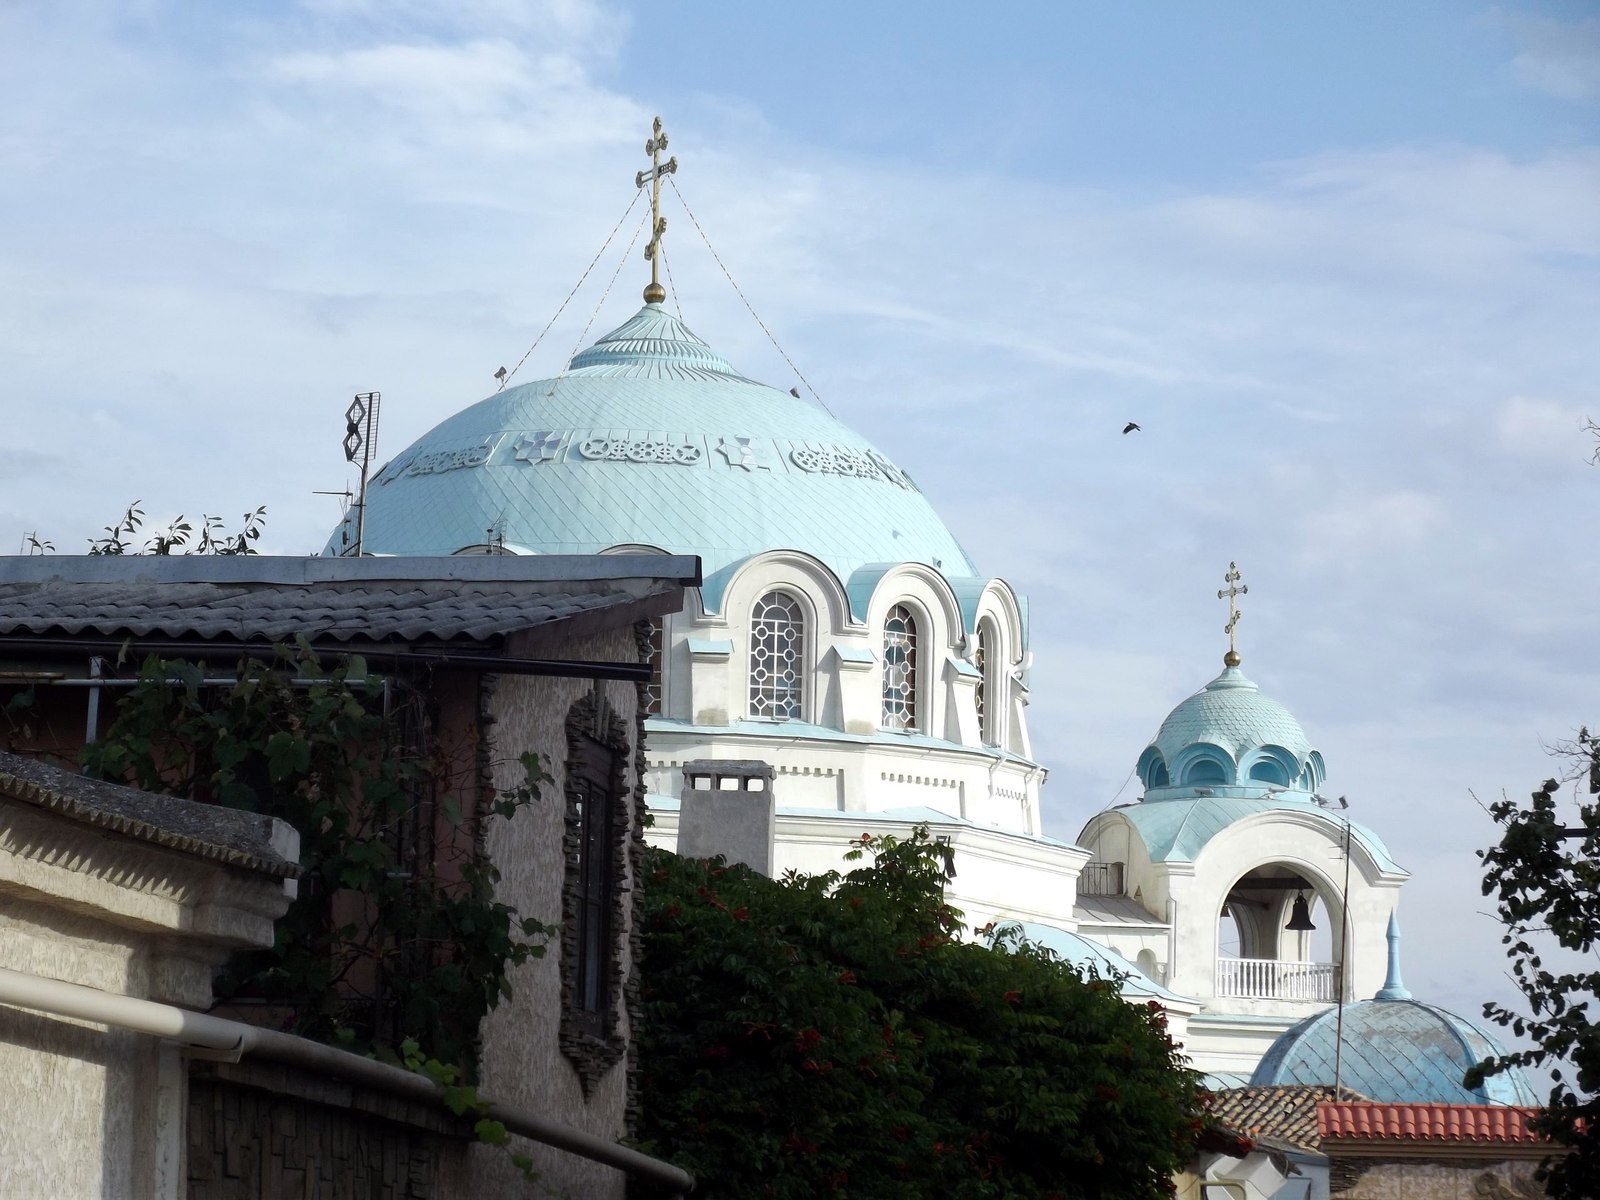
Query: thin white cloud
(1371,526)
(1538,428)
(1561,58)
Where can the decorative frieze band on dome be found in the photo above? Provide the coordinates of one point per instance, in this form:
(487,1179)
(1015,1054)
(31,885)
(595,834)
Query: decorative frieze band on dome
(538,447)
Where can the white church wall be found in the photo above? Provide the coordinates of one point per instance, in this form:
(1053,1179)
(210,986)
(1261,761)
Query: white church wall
(999,876)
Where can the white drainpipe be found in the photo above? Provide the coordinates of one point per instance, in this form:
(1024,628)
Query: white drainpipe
(215,1037)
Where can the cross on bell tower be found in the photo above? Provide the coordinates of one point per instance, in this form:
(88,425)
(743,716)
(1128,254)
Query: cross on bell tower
(1231,593)
(654,293)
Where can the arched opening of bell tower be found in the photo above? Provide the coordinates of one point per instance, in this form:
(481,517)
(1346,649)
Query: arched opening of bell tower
(1276,936)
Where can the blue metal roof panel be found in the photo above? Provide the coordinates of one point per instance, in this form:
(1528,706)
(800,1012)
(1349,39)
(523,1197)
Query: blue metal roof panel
(1395,1051)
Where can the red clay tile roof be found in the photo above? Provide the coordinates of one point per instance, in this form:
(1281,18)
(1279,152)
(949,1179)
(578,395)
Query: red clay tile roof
(1426,1122)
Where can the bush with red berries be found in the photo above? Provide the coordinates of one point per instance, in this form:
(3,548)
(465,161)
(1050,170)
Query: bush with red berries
(834,1035)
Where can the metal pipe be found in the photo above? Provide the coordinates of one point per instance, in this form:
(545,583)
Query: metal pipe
(234,1039)
(92,720)
(216,681)
(405,656)
(1344,967)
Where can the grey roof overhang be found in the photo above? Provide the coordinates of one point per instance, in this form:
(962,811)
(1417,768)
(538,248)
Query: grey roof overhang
(485,613)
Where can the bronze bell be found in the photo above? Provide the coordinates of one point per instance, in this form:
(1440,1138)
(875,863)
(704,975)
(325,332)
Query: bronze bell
(1300,916)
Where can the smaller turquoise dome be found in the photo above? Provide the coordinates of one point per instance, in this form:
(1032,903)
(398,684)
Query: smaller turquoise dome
(1396,1050)
(1229,735)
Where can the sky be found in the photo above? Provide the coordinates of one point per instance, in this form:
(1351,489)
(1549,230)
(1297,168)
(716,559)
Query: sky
(1339,263)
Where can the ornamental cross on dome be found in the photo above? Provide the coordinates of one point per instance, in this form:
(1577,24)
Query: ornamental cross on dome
(655,293)
(1231,593)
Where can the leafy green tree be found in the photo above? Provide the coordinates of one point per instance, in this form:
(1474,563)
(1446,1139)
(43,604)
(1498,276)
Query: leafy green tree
(1545,877)
(832,1035)
(396,932)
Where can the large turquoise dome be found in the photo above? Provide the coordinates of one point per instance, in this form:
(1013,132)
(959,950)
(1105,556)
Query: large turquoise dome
(650,438)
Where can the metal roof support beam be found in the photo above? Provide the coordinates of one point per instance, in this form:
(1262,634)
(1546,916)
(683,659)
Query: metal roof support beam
(409,656)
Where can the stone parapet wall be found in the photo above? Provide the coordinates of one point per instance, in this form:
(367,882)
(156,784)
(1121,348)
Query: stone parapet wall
(1443,1178)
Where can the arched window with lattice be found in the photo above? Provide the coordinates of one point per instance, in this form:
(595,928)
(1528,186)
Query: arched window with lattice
(900,669)
(777,658)
(987,694)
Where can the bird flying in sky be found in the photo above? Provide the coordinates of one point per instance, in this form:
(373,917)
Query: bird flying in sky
(1130,427)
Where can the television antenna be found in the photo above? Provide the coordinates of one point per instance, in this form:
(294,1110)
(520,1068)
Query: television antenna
(360,441)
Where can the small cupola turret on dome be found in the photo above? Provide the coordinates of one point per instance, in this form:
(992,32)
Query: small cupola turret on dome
(1229,740)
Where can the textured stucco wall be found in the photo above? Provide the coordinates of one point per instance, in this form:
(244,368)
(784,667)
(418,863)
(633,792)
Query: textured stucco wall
(1444,1179)
(522,1061)
(80,1109)
(89,1111)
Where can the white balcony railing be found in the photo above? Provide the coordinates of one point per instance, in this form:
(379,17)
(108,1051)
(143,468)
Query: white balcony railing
(1277,979)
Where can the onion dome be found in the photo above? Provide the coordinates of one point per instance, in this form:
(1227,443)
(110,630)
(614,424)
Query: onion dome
(651,439)
(1229,739)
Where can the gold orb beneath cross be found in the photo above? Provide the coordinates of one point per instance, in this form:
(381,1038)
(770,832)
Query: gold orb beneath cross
(1231,659)
(654,293)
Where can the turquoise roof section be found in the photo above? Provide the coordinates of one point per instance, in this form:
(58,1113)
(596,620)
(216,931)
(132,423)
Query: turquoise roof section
(651,438)
(1083,953)
(1178,830)
(1229,739)
(1396,1052)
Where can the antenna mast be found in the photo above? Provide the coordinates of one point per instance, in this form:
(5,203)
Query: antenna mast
(360,440)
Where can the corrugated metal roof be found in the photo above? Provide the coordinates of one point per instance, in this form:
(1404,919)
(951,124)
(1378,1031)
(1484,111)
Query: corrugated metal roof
(156,597)
(1114,910)
(1427,1122)
(209,831)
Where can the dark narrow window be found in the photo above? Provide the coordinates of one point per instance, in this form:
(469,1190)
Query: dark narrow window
(982,659)
(592,805)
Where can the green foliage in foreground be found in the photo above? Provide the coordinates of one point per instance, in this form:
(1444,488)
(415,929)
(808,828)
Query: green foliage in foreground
(830,1036)
(1545,878)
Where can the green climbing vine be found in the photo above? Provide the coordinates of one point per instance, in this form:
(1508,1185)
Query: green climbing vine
(396,932)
